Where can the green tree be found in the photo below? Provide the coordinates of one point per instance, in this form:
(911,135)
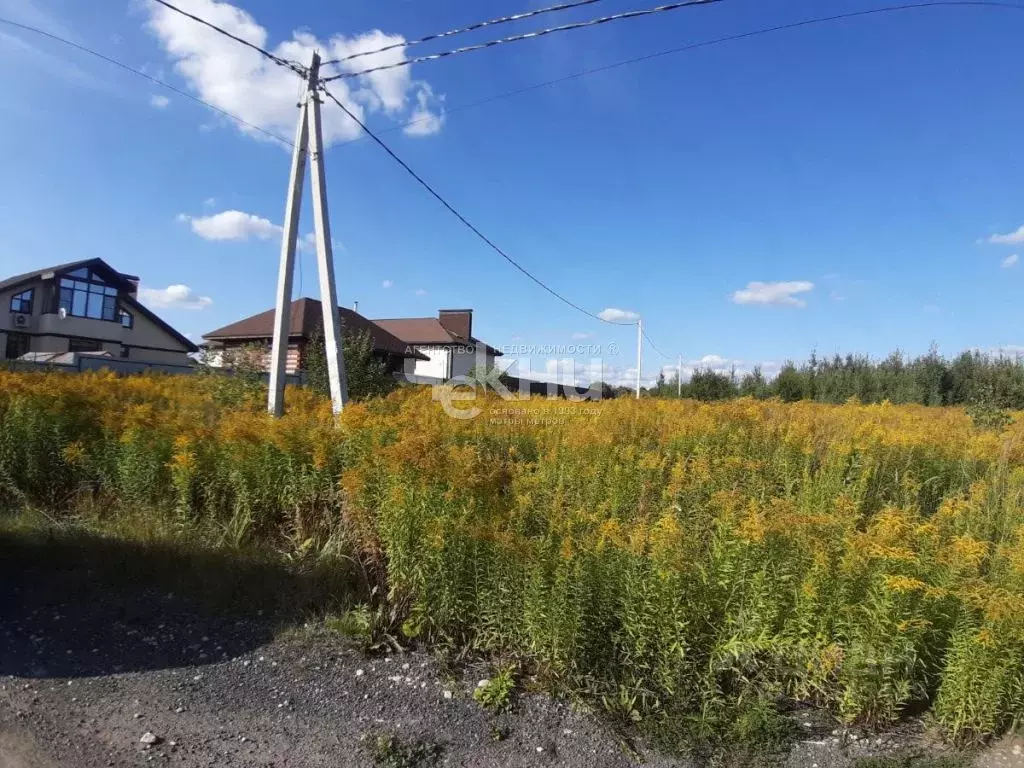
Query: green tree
(790,385)
(605,390)
(754,384)
(368,375)
(711,385)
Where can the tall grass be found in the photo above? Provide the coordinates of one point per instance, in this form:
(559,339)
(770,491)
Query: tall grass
(681,562)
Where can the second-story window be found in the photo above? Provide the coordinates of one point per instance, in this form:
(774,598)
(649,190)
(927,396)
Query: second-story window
(84,294)
(22,302)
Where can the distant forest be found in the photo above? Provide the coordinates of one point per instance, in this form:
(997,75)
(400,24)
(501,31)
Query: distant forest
(971,378)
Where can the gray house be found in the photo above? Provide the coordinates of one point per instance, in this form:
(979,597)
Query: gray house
(85,307)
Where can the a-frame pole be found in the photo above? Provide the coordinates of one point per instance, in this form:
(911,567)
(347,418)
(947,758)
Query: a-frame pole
(289,238)
(324,254)
(639,353)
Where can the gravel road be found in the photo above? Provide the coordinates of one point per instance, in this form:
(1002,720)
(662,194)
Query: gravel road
(98,656)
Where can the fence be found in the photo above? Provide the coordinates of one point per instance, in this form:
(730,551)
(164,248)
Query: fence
(128,368)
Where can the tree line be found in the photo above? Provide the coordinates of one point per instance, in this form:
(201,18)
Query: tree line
(968,379)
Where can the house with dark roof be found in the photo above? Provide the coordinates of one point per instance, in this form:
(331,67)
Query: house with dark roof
(305,321)
(86,308)
(447,341)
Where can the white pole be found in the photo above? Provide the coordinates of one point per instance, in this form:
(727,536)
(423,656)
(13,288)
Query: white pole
(282,307)
(639,353)
(324,254)
(679,378)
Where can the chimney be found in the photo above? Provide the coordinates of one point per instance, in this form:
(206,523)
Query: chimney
(457,321)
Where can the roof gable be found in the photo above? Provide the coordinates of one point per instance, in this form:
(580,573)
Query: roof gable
(123,281)
(134,305)
(110,275)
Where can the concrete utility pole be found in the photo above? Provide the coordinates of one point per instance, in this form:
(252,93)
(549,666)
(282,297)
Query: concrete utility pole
(639,352)
(679,378)
(309,134)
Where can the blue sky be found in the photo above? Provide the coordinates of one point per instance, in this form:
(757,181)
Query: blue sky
(852,172)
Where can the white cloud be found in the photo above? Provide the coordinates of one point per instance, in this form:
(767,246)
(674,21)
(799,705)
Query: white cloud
(1010,261)
(1011,238)
(713,361)
(232,225)
(306,243)
(613,315)
(173,297)
(159,101)
(421,292)
(777,293)
(387,283)
(241,81)
(210,202)
(240,226)
(585,372)
(579,373)
(424,122)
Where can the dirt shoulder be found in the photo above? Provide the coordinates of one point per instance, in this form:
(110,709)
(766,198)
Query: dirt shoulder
(96,652)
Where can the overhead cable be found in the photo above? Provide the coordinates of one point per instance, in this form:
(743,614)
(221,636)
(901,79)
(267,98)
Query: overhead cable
(524,36)
(470,28)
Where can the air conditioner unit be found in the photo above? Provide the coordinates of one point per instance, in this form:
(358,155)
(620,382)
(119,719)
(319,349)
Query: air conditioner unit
(21,321)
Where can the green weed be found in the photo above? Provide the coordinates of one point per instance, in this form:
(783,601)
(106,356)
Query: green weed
(390,752)
(496,693)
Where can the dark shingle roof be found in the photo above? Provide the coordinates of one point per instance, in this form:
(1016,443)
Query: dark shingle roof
(10,282)
(426,330)
(306,317)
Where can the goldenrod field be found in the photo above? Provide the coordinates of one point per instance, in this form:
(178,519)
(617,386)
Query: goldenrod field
(677,562)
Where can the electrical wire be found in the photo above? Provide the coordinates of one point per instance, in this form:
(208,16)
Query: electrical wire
(654,346)
(292,65)
(693,47)
(451,209)
(524,36)
(470,28)
(152,79)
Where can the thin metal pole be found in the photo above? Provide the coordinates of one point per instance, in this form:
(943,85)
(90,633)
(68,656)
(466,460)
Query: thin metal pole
(324,254)
(679,378)
(282,307)
(639,353)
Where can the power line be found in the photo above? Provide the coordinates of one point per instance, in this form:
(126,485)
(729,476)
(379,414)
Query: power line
(524,36)
(152,79)
(292,65)
(451,209)
(693,47)
(470,28)
(653,345)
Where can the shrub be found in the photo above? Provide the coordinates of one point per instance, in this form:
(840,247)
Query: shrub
(682,562)
(367,374)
